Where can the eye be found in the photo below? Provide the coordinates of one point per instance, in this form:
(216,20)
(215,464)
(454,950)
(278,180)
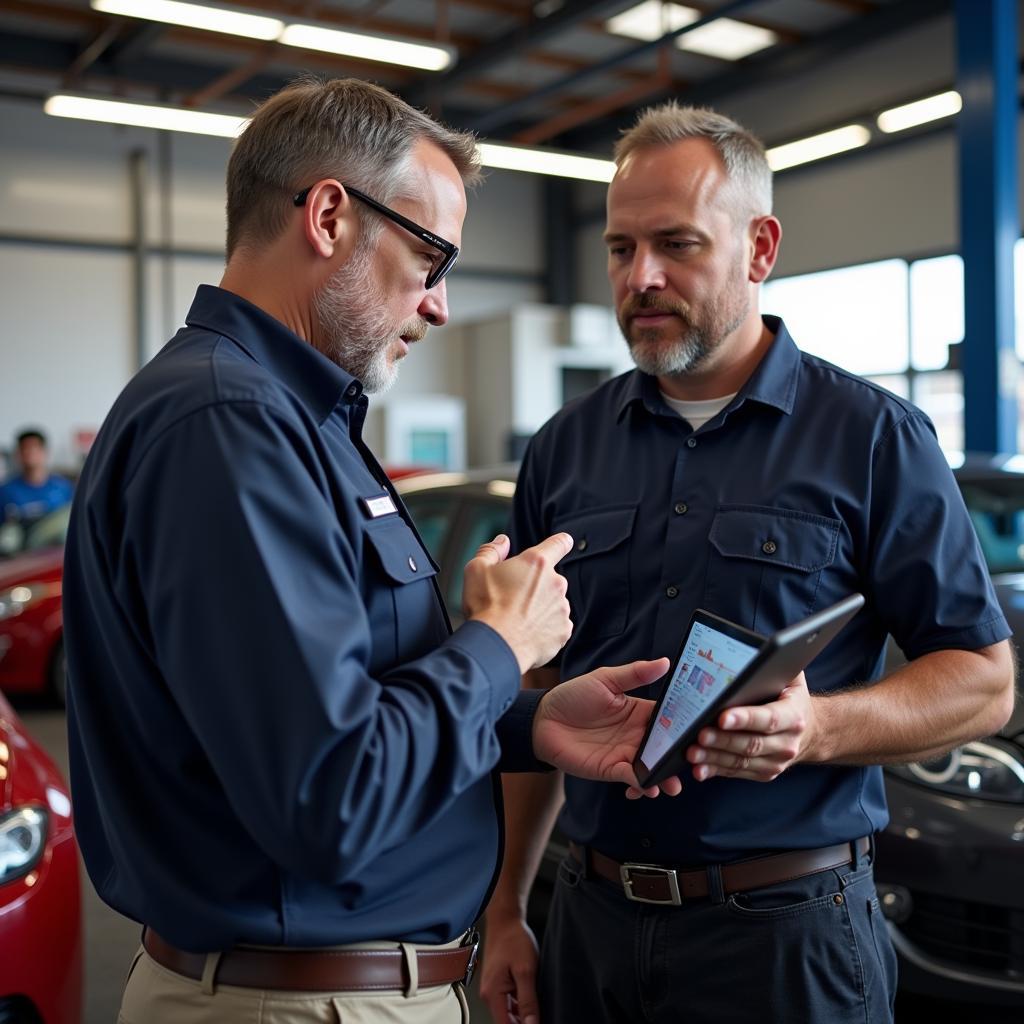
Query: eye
(619,251)
(679,244)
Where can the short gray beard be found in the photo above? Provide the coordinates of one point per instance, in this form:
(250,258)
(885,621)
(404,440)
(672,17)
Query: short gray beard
(355,333)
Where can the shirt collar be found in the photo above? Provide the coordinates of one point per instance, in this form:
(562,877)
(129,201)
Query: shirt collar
(772,383)
(319,383)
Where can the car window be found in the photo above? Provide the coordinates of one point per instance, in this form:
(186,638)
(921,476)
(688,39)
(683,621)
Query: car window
(433,515)
(50,531)
(483,521)
(997,511)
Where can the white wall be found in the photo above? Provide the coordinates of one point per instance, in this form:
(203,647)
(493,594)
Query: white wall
(67,334)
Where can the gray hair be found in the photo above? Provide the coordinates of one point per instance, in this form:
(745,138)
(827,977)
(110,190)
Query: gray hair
(343,128)
(741,151)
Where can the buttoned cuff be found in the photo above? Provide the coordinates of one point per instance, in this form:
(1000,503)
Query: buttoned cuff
(500,667)
(515,733)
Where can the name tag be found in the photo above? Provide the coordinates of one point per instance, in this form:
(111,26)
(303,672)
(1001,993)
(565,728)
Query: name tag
(382,505)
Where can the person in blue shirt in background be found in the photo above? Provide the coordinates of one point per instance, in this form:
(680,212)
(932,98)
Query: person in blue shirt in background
(34,491)
(733,472)
(283,760)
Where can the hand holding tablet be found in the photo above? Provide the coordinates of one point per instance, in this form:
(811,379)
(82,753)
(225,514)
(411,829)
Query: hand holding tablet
(720,665)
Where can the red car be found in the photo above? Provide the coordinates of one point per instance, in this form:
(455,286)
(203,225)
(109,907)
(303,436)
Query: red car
(40,900)
(31,622)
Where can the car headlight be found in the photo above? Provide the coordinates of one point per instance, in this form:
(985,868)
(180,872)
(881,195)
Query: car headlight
(15,600)
(981,769)
(22,841)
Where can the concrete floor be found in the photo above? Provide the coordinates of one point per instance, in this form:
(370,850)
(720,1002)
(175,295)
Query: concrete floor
(111,940)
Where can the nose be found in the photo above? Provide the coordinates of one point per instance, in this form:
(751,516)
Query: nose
(434,307)
(645,272)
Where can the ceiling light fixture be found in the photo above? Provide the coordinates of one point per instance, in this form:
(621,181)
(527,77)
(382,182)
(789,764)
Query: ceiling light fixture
(910,115)
(375,48)
(545,161)
(202,16)
(381,49)
(724,38)
(143,115)
(817,147)
(180,119)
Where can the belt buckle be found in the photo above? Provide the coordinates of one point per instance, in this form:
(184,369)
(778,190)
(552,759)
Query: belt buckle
(474,940)
(625,872)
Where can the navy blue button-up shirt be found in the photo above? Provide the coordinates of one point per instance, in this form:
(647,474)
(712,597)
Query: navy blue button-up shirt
(273,737)
(810,485)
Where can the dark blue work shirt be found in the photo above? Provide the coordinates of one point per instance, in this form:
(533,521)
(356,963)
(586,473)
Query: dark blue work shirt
(848,484)
(274,739)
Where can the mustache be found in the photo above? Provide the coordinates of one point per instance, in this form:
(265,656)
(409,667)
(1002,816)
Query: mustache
(416,331)
(646,303)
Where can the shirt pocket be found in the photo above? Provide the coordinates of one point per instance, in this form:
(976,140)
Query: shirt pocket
(765,564)
(405,616)
(597,569)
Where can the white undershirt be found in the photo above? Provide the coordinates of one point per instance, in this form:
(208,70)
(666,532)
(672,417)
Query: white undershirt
(698,413)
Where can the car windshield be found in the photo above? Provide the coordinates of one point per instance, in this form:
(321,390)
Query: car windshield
(997,511)
(48,532)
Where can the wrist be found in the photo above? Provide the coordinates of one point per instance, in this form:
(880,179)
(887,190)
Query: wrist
(517,643)
(819,746)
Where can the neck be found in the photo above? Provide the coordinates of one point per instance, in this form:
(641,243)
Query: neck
(728,368)
(277,293)
(35,477)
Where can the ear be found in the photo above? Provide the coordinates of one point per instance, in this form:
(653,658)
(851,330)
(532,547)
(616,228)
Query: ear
(765,235)
(328,220)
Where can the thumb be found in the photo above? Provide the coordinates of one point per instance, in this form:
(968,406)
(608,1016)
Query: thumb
(620,678)
(494,551)
(554,548)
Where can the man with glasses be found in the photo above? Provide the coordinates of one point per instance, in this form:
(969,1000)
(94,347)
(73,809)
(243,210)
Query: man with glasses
(281,755)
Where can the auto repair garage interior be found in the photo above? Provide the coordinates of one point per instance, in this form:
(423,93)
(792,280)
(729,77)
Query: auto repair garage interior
(893,128)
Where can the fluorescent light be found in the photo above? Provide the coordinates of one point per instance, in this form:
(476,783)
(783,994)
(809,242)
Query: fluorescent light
(144,115)
(179,119)
(304,36)
(723,38)
(651,20)
(545,161)
(727,39)
(212,19)
(377,48)
(921,112)
(816,147)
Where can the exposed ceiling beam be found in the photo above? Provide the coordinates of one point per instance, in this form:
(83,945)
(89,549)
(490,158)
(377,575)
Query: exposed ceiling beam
(775,66)
(510,44)
(499,118)
(91,53)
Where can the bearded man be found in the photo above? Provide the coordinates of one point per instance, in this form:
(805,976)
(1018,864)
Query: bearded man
(281,755)
(731,471)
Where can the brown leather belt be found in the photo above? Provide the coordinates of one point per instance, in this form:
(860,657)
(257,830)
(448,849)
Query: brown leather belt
(653,883)
(319,970)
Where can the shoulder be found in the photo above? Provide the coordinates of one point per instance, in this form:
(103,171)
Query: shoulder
(592,411)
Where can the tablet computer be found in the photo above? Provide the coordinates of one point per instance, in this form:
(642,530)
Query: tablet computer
(720,665)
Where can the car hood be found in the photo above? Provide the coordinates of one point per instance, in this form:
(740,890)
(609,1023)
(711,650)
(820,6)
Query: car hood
(1010,591)
(43,564)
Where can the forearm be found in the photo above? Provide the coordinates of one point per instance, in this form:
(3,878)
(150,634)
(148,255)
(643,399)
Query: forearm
(532,803)
(936,702)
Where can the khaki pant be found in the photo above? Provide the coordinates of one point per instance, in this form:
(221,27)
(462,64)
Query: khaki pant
(155,995)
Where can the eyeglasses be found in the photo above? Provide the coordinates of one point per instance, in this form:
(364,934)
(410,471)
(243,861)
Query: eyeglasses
(449,252)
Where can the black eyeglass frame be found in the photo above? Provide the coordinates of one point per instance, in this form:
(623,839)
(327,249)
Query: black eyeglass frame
(448,250)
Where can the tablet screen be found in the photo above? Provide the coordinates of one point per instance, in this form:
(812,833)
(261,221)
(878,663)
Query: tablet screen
(710,661)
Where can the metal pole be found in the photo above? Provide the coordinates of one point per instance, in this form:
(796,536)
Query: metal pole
(987,76)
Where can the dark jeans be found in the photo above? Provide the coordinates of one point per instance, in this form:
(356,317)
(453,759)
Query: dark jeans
(812,951)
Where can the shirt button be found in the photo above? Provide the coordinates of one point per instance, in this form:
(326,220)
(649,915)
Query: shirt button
(680,508)
(769,547)
(412,564)
(582,545)
(671,591)
(691,442)
(352,390)
(645,843)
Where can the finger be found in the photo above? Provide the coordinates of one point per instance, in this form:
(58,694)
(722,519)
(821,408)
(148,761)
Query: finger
(779,716)
(622,678)
(554,548)
(494,551)
(527,1006)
